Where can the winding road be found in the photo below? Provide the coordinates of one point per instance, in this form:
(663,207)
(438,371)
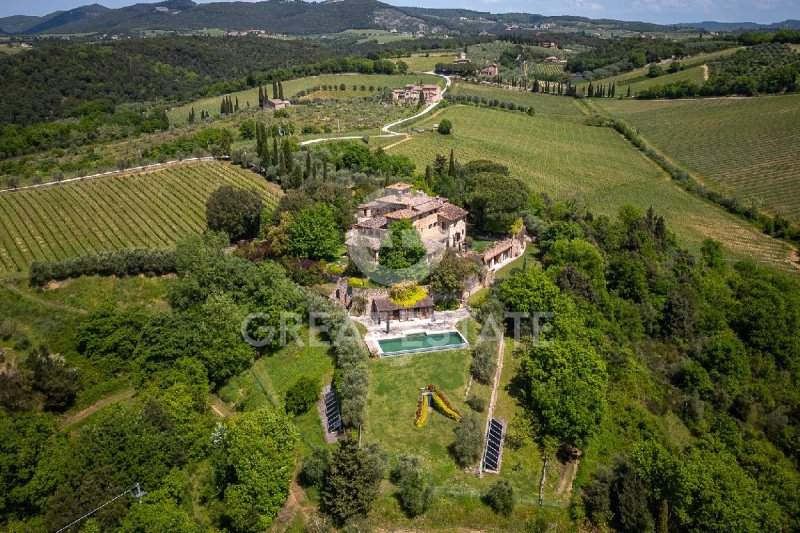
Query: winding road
(387,129)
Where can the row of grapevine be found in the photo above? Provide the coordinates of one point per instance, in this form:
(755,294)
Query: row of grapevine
(153,209)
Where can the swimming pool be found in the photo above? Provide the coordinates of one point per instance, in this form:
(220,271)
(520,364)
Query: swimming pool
(423,342)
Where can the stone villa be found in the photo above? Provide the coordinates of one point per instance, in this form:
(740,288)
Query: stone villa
(440,224)
(410,94)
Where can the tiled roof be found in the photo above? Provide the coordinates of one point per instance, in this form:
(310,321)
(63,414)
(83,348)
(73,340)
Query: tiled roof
(402,214)
(372,223)
(451,212)
(498,248)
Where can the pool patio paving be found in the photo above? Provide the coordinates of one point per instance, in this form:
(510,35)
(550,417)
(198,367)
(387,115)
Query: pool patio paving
(441,321)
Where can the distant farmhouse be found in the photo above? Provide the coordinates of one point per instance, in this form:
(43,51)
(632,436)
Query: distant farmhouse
(276,104)
(461,59)
(410,94)
(440,224)
(489,70)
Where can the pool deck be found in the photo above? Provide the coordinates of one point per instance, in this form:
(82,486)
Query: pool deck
(444,321)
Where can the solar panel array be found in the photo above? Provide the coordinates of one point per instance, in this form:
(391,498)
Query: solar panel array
(332,415)
(494,446)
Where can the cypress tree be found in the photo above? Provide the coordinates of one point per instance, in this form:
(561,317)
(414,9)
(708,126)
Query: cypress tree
(281,164)
(296,178)
(259,140)
(275,155)
(629,91)
(280,90)
(428,176)
(274,90)
(236,107)
(421,98)
(191,116)
(314,172)
(307,173)
(287,156)
(267,157)
(590,91)
(260,96)
(451,168)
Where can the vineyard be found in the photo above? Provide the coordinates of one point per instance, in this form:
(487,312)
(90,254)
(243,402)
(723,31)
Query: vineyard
(747,148)
(567,160)
(291,88)
(152,209)
(545,69)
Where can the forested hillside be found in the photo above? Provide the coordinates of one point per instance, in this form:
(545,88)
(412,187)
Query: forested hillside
(51,81)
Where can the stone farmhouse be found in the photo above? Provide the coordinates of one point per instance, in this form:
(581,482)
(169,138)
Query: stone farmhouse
(276,104)
(410,94)
(489,70)
(440,224)
(461,59)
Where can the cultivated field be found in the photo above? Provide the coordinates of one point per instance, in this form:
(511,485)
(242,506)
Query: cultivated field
(180,115)
(638,79)
(153,209)
(427,62)
(543,104)
(545,69)
(567,159)
(747,147)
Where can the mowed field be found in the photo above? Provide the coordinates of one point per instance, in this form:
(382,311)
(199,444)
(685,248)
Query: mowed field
(151,209)
(180,115)
(543,104)
(746,147)
(567,159)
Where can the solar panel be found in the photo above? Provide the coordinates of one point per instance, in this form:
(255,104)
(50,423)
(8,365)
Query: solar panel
(494,446)
(333,417)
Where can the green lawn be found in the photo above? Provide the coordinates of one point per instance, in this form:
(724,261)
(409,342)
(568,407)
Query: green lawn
(394,391)
(426,62)
(746,147)
(266,383)
(595,164)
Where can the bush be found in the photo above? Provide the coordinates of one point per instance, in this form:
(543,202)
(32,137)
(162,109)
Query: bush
(406,464)
(416,494)
(445,127)
(484,362)
(477,404)
(315,466)
(302,395)
(406,293)
(501,497)
(468,444)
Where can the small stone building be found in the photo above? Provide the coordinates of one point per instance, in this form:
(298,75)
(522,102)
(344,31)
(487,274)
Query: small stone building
(383,309)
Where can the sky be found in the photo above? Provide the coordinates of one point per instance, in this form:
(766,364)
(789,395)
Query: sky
(659,11)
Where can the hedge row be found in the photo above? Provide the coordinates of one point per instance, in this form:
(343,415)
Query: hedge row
(119,263)
(352,376)
(777,226)
(486,102)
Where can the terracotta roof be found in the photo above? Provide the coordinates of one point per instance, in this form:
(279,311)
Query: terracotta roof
(372,223)
(431,205)
(402,214)
(384,304)
(451,212)
(498,248)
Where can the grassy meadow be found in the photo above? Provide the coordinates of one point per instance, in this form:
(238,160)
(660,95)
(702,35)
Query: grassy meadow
(152,209)
(746,147)
(180,115)
(594,164)
(543,104)
(427,62)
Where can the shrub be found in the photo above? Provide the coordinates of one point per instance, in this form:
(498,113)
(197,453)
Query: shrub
(119,263)
(468,444)
(235,211)
(406,464)
(501,497)
(445,127)
(315,466)
(477,404)
(416,494)
(422,412)
(484,362)
(302,395)
(406,293)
